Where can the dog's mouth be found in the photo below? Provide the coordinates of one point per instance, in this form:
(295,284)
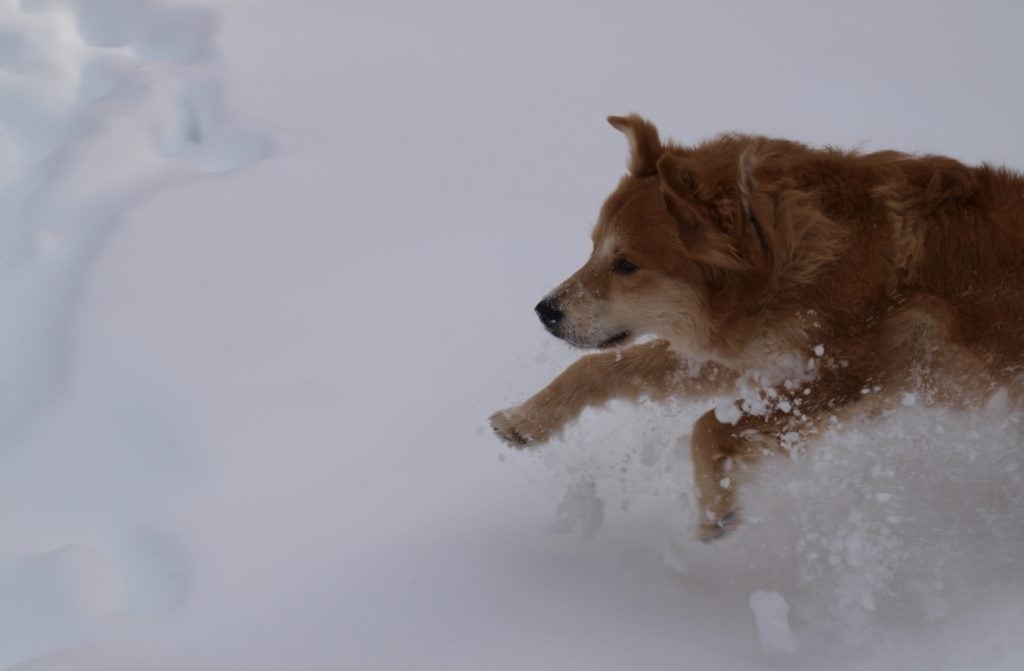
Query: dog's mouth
(616,339)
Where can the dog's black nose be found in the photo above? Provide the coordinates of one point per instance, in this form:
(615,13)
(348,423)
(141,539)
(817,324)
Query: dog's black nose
(549,312)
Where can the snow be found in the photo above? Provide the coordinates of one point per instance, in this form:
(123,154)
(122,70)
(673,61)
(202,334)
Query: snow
(727,412)
(771,613)
(266,268)
(581,508)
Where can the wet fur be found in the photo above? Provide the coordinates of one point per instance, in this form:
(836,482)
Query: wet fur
(751,253)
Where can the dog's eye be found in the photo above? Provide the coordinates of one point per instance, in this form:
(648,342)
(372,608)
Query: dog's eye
(624,267)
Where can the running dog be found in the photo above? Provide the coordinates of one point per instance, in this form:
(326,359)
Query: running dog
(799,284)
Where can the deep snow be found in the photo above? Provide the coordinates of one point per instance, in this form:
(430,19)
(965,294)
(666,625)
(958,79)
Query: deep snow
(267,267)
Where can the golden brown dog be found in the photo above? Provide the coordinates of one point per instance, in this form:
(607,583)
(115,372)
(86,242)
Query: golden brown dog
(802,283)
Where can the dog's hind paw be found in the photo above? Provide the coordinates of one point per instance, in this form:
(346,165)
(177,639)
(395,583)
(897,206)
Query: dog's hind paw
(712,531)
(506,426)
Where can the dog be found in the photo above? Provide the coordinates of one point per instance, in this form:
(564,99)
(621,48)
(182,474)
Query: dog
(797,285)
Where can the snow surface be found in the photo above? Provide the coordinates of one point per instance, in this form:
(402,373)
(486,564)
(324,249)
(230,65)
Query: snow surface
(266,267)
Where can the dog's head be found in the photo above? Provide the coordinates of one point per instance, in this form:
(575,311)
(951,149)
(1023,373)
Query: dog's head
(669,243)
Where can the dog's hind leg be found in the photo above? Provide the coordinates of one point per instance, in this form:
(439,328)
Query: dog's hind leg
(719,450)
(922,356)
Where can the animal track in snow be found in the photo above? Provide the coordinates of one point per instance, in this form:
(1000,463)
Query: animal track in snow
(102,104)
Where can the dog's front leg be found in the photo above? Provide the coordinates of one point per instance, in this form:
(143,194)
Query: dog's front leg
(651,370)
(593,380)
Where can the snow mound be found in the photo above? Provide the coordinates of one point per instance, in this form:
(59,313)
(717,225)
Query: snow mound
(66,107)
(102,104)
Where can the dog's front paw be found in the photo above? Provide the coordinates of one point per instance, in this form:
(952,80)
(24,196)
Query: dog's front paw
(515,428)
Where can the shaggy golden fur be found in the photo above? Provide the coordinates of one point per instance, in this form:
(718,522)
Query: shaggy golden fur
(805,283)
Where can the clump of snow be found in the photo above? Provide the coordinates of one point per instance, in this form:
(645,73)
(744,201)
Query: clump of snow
(727,412)
(771,614)
(580,509)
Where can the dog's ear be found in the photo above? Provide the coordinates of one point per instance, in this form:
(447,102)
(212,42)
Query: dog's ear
(679,177)
(690,226)
(682,185)
(644,145)
(682,175)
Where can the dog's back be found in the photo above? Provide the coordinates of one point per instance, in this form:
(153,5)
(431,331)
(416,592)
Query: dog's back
(914,226)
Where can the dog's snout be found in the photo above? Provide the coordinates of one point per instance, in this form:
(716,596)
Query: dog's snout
(549,311)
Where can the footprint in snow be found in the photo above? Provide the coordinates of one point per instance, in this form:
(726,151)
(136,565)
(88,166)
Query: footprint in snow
(102,104)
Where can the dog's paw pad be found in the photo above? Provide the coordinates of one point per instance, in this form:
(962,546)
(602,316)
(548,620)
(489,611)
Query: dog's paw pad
(507,430)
